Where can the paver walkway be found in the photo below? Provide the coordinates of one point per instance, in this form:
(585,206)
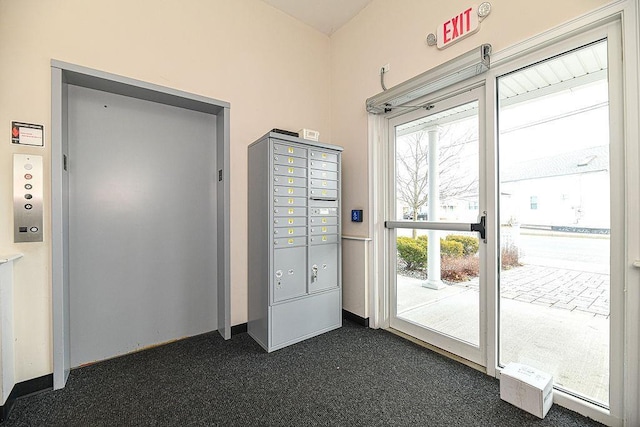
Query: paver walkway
(554,287)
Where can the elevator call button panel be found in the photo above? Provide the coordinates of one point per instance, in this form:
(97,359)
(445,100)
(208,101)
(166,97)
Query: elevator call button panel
(28,186)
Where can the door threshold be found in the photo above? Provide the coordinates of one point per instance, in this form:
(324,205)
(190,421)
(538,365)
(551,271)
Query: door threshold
(438,350)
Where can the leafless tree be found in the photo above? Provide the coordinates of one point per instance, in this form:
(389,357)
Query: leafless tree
(458,176)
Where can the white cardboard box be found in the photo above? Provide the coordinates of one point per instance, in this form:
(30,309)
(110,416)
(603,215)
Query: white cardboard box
(527,388)
(310,134)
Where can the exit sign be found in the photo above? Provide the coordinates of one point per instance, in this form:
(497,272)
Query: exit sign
(457,28)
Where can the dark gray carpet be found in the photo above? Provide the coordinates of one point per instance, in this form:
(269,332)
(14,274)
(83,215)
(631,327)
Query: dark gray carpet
(353,376)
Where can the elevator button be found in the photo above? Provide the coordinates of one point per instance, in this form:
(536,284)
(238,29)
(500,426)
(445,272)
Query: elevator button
(28,176)
(28,196)
(28,206)
(34,229)
(28,166)
(28,186)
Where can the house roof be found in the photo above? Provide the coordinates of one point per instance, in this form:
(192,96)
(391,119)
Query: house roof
(593,159)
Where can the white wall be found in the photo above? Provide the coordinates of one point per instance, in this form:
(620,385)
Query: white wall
(274,70)
(394,33)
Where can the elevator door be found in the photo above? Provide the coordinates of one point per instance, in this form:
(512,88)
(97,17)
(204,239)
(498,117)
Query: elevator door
(142,225)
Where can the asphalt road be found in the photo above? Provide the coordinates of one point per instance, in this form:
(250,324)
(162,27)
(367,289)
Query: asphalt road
(575,253)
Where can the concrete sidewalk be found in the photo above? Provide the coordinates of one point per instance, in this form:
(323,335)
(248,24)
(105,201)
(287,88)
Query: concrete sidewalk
(553,319)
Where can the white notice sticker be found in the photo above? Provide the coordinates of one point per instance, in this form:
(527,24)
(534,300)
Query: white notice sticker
(27,134)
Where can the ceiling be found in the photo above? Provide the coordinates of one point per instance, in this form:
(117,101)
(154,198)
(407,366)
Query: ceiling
(325,16)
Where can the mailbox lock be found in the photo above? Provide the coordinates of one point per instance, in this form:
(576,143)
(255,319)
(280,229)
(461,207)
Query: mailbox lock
(314,273)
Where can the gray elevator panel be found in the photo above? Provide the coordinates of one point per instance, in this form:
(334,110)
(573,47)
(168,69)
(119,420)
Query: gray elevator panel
(142,224)
(28,190)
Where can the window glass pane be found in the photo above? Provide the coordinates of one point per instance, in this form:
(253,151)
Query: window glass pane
(554,220)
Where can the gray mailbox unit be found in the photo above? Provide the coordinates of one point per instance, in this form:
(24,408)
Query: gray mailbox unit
(295,274)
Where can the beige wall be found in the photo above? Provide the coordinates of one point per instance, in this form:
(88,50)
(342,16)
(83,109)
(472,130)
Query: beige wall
(273,70)
(394,33)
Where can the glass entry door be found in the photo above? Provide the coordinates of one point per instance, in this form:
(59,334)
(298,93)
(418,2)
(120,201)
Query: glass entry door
(435,204)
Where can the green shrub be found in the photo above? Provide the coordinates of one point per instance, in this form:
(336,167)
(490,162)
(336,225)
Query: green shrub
(412,252)
(470,245)
(451,248)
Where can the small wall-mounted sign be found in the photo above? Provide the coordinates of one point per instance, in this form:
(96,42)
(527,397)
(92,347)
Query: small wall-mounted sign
(457,28)
(27,134)
(356,215)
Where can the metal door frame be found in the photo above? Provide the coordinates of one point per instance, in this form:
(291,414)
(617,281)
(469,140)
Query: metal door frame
(611,30)
(442,101)
(63,74)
